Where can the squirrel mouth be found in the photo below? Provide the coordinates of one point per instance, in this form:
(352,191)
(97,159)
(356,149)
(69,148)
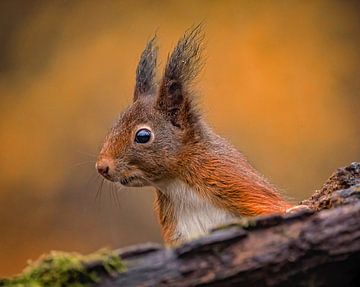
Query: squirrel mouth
(128,180)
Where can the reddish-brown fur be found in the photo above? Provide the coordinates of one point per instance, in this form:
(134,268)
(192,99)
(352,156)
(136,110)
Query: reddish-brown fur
(223,176)
(183,147)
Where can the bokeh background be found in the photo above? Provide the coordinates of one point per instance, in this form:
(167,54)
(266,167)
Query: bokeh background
(281,82)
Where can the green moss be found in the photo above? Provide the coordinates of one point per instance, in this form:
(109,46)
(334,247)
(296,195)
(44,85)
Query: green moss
(243,222)
(59,269)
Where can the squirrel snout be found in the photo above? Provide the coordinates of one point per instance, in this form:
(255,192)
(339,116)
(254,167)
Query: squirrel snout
(104,167)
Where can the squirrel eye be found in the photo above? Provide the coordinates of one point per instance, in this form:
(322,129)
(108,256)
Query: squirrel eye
(142,136)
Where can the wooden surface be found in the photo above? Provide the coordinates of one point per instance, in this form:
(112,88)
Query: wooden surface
(308,248)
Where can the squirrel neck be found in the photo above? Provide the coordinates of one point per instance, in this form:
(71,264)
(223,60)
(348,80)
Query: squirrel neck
(222,175)
(213,183)
(184,214)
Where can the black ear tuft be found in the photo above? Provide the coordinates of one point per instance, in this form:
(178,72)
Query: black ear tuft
(183,66)
(146,70)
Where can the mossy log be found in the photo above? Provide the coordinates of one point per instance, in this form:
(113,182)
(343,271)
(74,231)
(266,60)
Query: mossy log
(319,246)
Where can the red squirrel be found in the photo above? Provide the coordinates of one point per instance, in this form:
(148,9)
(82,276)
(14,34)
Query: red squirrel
(161,140)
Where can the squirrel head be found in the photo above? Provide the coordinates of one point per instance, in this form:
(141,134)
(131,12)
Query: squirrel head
(145,144)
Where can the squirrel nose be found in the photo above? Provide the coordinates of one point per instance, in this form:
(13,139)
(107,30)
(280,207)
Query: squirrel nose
(103,170)
(103,167)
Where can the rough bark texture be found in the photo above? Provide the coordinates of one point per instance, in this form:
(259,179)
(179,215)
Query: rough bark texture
(343,178)
(307,248)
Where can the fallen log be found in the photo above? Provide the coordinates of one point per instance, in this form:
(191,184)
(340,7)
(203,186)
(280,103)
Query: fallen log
(318,247)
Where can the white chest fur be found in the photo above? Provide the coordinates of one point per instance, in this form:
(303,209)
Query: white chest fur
(194,216)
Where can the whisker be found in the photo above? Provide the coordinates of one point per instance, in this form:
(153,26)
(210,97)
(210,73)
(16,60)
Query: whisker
(83,162)
(111,195)
(99,191)
(117,200)
(120,188)
(92,178)
(88,154)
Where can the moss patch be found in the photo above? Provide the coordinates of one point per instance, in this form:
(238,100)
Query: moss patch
(243,222)
(67,269)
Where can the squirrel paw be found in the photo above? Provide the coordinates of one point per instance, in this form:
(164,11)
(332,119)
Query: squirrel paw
(298,208)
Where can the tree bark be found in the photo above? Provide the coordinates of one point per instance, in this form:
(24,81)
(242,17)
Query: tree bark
(317,247)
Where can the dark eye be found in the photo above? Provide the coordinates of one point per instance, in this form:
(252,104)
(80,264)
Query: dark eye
(142,136)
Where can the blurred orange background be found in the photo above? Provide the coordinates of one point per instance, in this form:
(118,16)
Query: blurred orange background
(281,82)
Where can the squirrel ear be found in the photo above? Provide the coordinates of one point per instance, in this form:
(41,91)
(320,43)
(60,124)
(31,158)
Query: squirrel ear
(183,66)
(145,71)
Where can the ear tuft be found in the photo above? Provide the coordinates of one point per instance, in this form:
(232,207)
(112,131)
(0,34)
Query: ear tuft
(184,63)
(146,70)
(182,68)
